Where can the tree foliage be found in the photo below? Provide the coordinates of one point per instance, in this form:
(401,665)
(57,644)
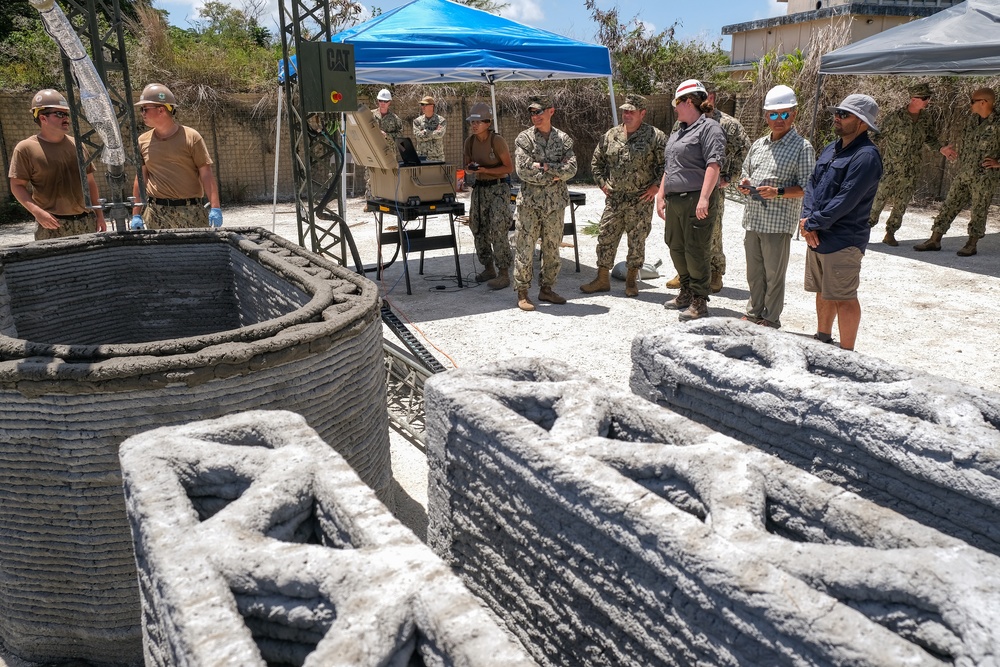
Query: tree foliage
(646,62)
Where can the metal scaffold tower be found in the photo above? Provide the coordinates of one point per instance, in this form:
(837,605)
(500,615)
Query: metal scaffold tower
(317,149)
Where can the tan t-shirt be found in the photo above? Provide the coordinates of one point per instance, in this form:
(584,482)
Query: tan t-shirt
(52,172)
(487,153)
(172,164)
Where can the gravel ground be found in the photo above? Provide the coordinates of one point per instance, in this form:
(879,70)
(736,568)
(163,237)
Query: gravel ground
(933,312)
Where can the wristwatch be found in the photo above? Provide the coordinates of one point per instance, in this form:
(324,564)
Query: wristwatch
(781,193)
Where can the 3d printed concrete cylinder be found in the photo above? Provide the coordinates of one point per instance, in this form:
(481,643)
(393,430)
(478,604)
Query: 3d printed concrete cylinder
(107,336)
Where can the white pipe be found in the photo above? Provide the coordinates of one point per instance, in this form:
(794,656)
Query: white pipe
(94,98)
(614,107)
(277,150)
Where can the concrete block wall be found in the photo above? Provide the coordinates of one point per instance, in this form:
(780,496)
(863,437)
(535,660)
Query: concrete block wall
(257,544)
(282,328)
(606,530)
(924,446)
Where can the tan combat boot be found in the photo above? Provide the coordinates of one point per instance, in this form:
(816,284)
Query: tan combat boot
(546,294)
(501,281)
(674,283)
(523,302)
(681,301)
(969,249)
(890,239)
(933,243)
(698,308)
(488,273)
(599,284)
(632,282)
(716,282)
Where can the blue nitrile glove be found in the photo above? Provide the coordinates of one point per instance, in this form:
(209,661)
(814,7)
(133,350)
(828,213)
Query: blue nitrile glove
(136,222)
(215,217)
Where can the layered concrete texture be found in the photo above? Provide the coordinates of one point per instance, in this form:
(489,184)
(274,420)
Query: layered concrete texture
(258,545)
(607,530)
(926,447)
(105,336)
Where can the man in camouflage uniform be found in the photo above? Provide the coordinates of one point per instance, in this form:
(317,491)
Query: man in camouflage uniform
(544,161)
(391,125)
(627,165)
(737,145)
(977,177)
(902,136)
(428,129)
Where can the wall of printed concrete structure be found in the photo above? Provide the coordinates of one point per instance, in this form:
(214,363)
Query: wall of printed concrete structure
(924,446)
(256,544)
(606,530)
(206,324)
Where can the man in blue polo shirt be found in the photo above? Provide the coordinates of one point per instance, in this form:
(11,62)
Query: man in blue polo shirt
(834,222)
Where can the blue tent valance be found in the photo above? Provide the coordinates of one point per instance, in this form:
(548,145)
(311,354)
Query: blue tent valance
(439,41)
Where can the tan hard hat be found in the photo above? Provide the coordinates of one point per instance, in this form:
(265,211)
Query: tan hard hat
(157,93)
(48,99)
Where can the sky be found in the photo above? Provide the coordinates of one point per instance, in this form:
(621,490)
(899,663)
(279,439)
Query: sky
(700,19)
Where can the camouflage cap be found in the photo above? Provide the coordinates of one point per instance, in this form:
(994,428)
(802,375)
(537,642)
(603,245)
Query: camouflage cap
(920,90)
(540,102)
(633,103)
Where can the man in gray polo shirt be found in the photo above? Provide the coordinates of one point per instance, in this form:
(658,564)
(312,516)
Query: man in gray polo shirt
(778,167)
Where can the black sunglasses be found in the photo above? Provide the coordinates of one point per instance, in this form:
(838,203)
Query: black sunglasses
(57,114)
(535,112)
(923,98)
(839,113)
(783,115)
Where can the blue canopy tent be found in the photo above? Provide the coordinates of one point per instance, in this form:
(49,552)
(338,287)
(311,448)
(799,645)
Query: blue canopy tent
(439,41)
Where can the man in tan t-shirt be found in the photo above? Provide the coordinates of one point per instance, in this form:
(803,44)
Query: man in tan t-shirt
(47,162)
(176,166)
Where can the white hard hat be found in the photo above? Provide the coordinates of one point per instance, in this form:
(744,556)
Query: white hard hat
(384,95)
(780,97)
(688,87)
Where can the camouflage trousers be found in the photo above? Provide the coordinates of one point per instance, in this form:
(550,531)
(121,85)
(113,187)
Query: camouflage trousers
(532,224)
(624,215)
(86,225)
(896,190)
(717,261)
(968,184)
(174,217)
(489,221)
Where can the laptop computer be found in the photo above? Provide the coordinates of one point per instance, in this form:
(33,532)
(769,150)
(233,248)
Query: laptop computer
(408,153)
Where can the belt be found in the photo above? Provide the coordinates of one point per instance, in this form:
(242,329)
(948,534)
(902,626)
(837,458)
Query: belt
(175,202)
(668,195)
(78,216)
(486,184)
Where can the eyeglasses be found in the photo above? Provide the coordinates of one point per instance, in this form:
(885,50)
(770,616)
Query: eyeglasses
(783,115)
(979,99)
(57,114)
(535,112)
(149,107)
(841,114)
(922,98)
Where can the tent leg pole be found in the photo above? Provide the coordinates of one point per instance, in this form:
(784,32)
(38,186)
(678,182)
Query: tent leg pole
(493,98)
(277,144)
(819,92)
(614,107)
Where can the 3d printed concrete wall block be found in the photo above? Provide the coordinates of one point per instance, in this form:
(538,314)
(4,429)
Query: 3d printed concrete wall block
(257,544)
(607,530)
(105,336)
(922,445)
